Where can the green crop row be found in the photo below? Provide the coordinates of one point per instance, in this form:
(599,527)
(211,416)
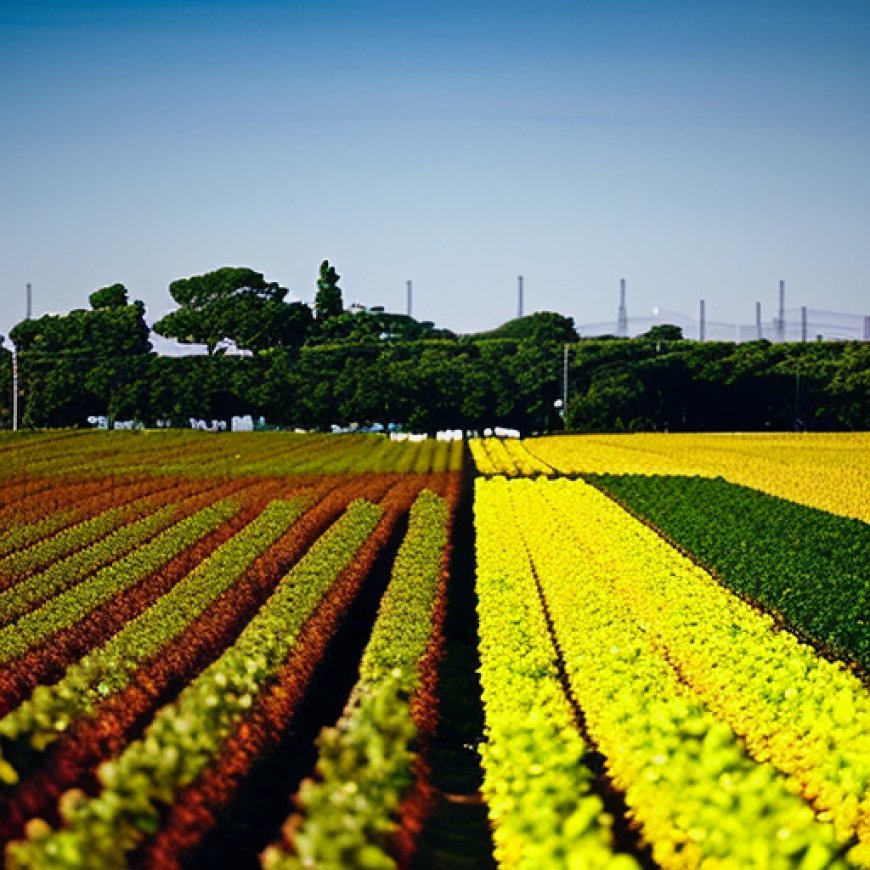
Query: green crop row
(688,781)
(808,565)
(347,815)
(188,734)
(64,573)
(75,604)
(538,788)
(20,537)
(81,535)
(52,710)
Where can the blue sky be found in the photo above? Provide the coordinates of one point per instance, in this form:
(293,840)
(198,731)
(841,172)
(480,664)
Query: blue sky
(696,149)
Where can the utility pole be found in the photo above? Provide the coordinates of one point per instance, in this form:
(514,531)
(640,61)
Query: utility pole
(565,381)
(28,311)
(14,389)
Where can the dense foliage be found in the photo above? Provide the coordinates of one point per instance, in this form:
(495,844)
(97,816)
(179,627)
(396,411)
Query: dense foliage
(335,365)
(539,790)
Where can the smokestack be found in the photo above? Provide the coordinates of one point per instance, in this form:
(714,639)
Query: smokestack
(803,322)
(519,295)
(29,303)
(758,320)
(780,324)
(410,295)
(622,316)
(703,331)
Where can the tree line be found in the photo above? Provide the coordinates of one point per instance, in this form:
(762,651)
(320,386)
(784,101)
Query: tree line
(316,366)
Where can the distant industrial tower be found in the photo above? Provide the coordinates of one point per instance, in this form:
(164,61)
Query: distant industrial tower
(519,296)
(780,321)
(622,317)
(409,287)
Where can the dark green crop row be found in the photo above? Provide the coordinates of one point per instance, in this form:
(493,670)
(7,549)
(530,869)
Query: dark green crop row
(806,565)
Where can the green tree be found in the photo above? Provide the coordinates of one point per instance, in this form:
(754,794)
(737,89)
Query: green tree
(542,326)
(5,386)
(113,296)
(663,332)
(613,401)
(80,364)
(233,304)
(328,302)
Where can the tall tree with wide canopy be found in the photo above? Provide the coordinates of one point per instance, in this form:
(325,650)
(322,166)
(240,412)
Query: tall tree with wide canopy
(234,304)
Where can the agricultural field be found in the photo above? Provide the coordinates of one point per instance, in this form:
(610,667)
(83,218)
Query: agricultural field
(674,649)
(182,614)
(297,650)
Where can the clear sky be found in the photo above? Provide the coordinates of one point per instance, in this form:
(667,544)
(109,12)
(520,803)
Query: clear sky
(696,149)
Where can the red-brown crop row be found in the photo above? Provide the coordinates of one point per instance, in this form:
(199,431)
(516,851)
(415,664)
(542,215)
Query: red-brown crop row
(198,808)
(47,660)
(73,759)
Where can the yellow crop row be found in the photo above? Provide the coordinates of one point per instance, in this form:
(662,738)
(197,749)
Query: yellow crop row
(698,797)
(506,456)
(808,717)
(830,471)
(539,792)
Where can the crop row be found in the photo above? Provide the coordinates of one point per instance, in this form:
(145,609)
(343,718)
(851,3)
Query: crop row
(808,717)
(30,593)
(32,501)
(274,713)
(828,470)
(95,519)
(54,709)
(506,456)
(65,627)
(806,565)
(189,733)
(117,716)
(349,815)
(74,604)
(197,454)
(539,791)
(688,781)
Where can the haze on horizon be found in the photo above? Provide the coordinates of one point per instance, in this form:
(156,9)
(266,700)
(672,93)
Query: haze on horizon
(696,150)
